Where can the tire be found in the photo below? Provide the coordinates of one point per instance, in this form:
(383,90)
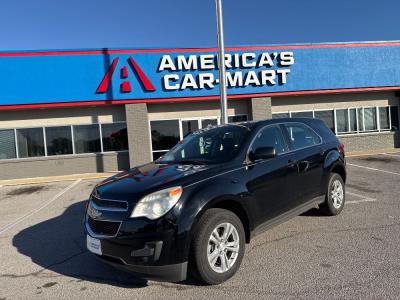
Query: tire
(216,221)
(335,196)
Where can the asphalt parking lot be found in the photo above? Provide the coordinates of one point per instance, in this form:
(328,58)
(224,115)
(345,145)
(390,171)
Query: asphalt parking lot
(354,255)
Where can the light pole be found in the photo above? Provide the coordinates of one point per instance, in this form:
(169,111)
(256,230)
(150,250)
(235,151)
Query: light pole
(221,58)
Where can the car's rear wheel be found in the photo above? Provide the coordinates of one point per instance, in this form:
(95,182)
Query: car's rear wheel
(335,196)
(218,246)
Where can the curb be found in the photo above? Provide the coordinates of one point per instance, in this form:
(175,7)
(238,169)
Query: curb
(43,180)
(372,152)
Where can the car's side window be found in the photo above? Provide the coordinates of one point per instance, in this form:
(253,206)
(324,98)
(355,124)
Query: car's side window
(270,136)
(301,136)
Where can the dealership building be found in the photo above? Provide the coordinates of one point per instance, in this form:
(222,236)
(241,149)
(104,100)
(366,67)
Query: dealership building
(83,111)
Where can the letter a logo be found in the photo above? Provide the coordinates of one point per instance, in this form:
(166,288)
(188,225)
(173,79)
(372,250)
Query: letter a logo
(125,86)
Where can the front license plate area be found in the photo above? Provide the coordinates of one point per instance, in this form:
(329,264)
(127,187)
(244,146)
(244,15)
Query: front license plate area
(93,245)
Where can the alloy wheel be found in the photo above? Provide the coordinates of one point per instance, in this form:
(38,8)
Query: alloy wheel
(223,247)
(337,194)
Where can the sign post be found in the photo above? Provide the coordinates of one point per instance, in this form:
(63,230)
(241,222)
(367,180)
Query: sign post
(221,58)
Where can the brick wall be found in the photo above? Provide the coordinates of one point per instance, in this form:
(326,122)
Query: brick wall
(260,108)
(55,166)
(138,134)
(371,141)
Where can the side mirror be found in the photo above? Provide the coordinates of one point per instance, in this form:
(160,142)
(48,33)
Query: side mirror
(262,153)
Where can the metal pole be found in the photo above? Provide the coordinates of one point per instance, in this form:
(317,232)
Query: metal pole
(221,58)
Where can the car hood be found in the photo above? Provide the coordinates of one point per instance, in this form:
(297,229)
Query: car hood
(135,183)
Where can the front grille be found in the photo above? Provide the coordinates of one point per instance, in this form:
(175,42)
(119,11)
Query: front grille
(103,227)
(110,204)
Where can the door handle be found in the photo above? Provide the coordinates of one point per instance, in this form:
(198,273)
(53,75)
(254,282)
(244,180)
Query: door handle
(304,165)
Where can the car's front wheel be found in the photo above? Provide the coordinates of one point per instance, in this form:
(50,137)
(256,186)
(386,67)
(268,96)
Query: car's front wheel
(335,196)
(218,246)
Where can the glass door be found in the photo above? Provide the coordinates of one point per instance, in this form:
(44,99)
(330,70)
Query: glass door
(189,126)
(209,121)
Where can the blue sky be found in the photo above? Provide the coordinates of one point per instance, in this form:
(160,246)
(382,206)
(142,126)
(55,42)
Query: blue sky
(56,24)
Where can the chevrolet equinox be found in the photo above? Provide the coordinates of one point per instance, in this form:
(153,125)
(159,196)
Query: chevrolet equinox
(194,209)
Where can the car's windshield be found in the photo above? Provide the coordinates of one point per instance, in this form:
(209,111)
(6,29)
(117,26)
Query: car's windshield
(208,146)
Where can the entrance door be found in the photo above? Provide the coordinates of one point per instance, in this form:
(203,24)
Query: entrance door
(189,126)
(210,121)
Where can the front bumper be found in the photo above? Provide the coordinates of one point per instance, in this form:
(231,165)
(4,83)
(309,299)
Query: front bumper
(150,249)
(171,273)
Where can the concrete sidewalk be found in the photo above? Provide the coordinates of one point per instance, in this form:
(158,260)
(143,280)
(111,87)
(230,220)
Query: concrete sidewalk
(40,180)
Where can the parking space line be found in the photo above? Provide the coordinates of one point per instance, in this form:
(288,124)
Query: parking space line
(362,198)
(373,169)
(31,213)
(360,201)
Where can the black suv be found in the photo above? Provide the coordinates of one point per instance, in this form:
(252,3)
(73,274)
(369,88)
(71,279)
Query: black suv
(196,207)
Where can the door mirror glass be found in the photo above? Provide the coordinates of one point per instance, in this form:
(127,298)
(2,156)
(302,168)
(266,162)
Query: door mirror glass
(262,153)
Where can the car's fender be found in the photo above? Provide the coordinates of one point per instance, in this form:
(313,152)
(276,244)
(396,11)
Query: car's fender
(332,160)
(205,195)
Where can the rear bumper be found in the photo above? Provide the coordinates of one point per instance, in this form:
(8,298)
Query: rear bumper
(171,273)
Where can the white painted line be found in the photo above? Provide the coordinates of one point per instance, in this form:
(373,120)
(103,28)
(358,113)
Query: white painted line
(358,195)
(373,169)
(19,220)
(362,198)
(360,201)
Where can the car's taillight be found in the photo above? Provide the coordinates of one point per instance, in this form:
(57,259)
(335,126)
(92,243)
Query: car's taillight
(341,148)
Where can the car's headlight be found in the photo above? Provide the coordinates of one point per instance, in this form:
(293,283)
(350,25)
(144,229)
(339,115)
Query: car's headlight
(157,204)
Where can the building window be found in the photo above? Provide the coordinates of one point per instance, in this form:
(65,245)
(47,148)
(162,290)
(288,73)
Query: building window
(189,126)
(87,139)
(280,115)
(115,137)
(7,144)
(30,142)
(164,135)
(370,123)
(208,122)
(360,122)
(238,118)
(342,120)
(384,118)
(59,140)
(302,114)
(394,118)
(353,120)
(327,116)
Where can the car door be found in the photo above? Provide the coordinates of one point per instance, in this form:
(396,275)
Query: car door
(267,180)
(308,156)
